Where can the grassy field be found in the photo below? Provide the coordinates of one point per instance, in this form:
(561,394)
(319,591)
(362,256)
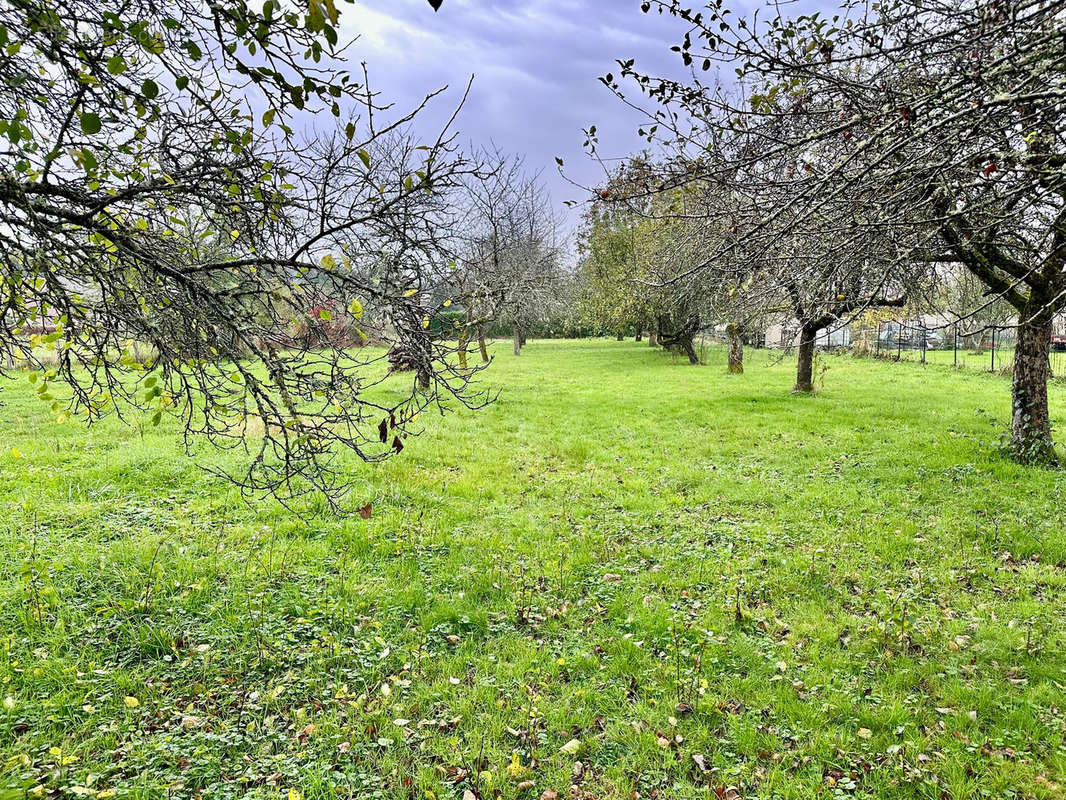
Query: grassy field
(696,585)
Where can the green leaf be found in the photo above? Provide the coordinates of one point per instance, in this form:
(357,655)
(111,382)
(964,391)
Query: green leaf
(365,158)
(90,124)
(150,89)
(116,65)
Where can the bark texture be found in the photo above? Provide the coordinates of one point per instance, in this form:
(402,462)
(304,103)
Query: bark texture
(1030,418)
(736,348)
(805,361)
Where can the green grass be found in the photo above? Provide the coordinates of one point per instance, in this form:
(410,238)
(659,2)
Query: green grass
(850,594)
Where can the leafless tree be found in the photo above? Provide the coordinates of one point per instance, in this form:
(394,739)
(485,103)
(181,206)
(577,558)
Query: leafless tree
(509,262)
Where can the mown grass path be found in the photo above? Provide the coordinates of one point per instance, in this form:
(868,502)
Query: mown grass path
(685,580)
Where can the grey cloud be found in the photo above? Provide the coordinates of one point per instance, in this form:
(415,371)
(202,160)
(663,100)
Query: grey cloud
(535,62)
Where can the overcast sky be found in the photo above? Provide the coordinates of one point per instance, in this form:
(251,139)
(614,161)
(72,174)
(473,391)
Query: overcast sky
(535,65)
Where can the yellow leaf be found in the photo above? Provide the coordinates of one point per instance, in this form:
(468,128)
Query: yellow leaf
(15,452)
(131,702)
(105,793)
(295,795)
(410,292)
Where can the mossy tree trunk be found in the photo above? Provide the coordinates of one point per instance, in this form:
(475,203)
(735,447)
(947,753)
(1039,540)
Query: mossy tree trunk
(1030,417)
(736,348)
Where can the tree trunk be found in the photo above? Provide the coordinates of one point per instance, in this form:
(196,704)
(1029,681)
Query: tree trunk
(517,341)
(736,348)
(640,334)
(464,340)
(653,338)
(619,337)
(1030,421)
(689,349)
(805,362)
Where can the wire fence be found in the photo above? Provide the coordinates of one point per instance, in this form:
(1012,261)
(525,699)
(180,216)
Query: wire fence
(989,348)
(986,349)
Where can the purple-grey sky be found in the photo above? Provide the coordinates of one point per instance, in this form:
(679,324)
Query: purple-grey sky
(535,65)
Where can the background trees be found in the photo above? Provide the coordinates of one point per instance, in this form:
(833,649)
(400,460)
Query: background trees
(936,127)
(509,250)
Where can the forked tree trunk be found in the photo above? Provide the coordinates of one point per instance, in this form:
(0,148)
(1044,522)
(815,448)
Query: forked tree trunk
(517,341)
(736,348)
(1030,420)
(805,361)
(689,349)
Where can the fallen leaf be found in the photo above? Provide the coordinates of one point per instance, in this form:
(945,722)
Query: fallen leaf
(572,748)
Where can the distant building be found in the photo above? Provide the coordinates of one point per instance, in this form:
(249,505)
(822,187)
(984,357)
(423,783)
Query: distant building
(785,335)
